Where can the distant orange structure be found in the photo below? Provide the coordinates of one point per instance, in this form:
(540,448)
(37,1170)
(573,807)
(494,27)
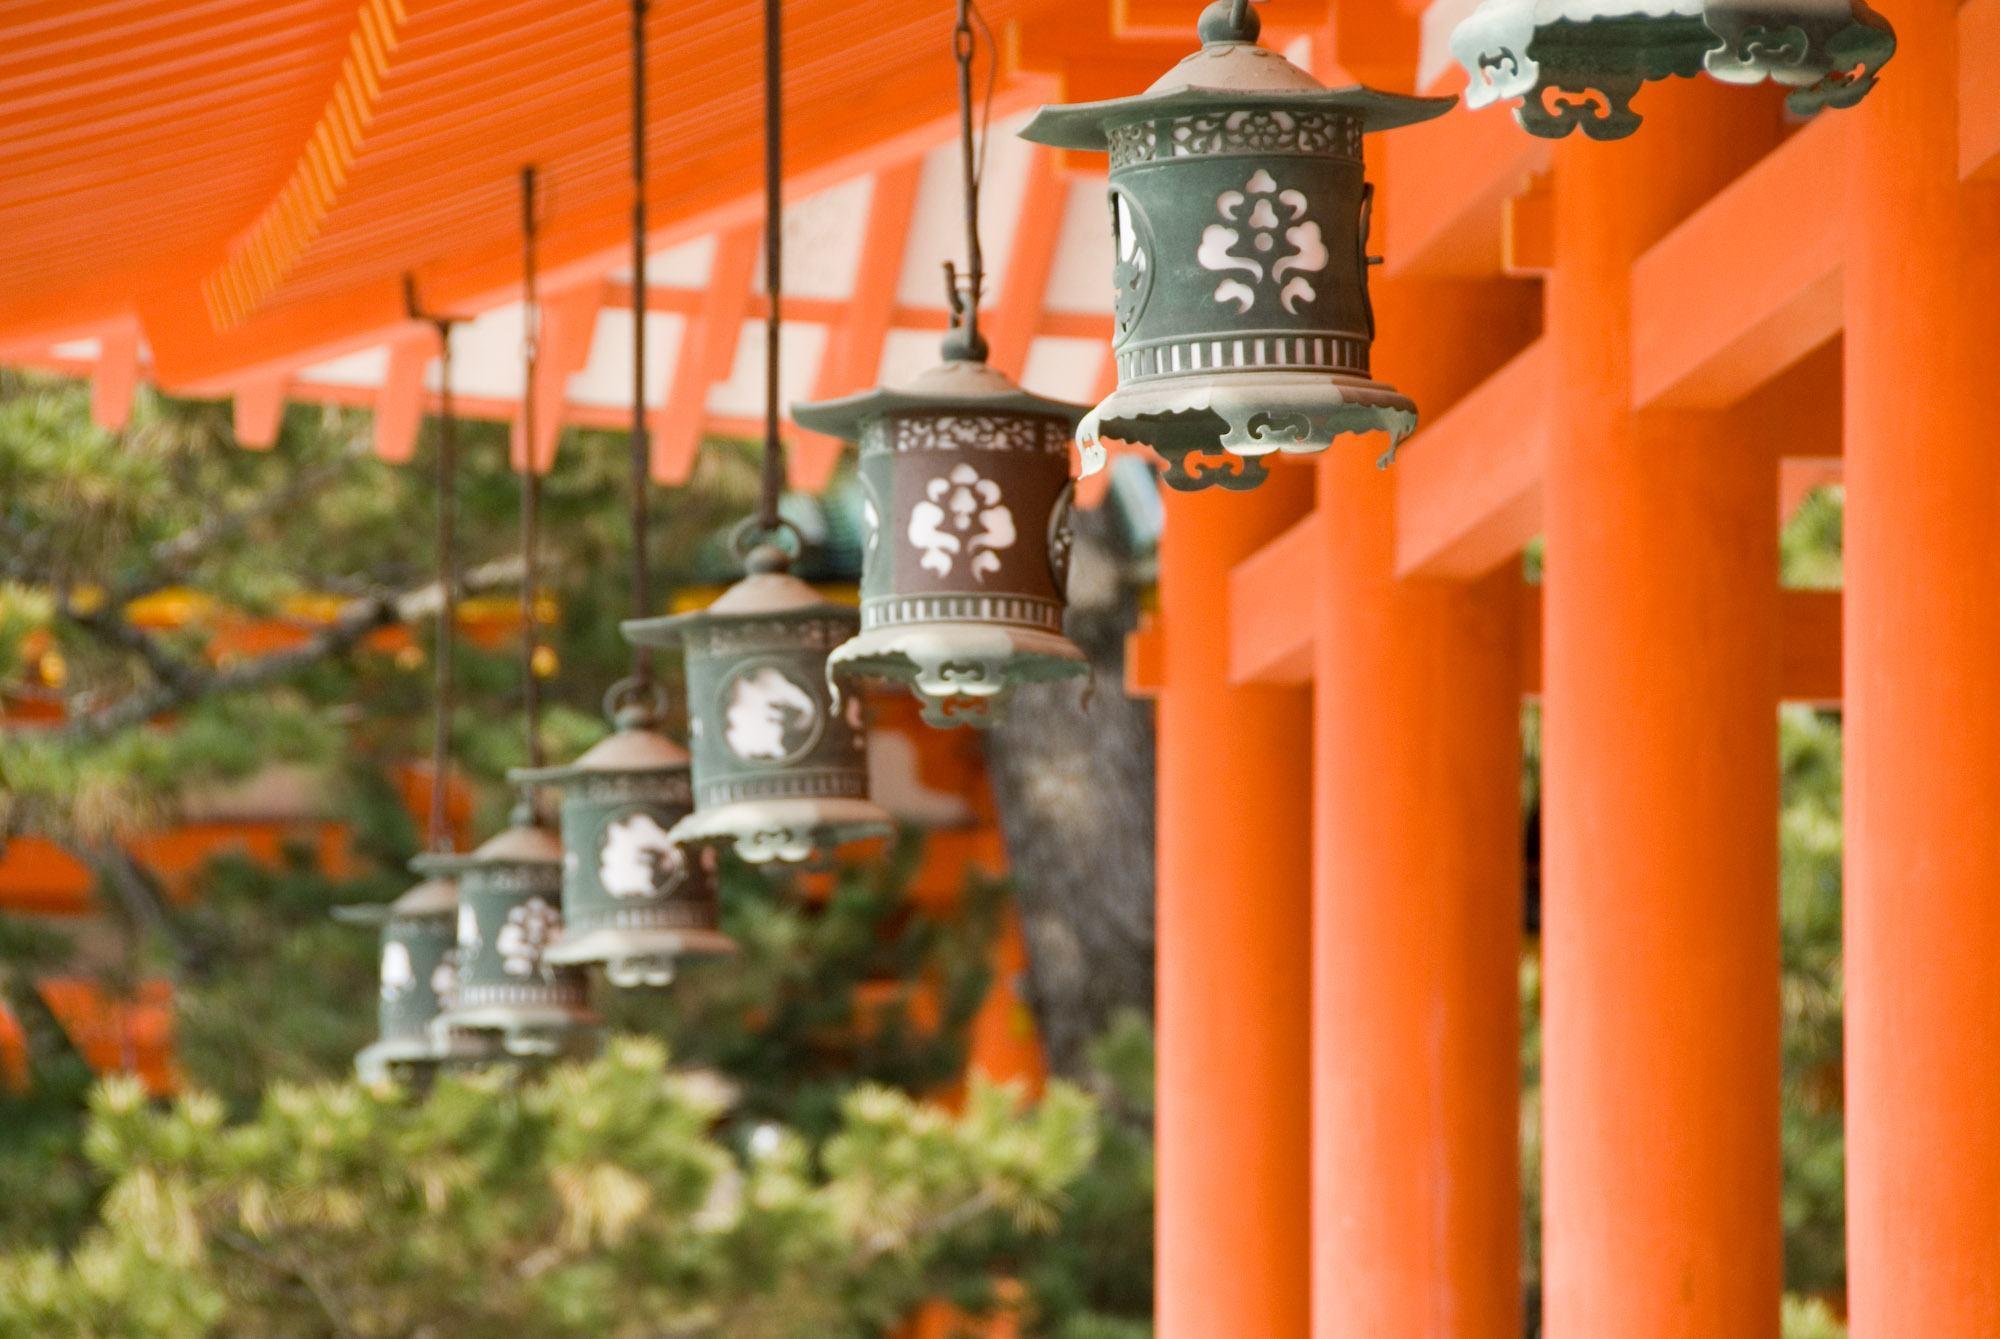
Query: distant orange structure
(1641,353)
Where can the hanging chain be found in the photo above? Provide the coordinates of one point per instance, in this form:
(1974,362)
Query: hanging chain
(639,475)
(531,476)
(964,297)
(447,574)
(1239,14)
(773,481)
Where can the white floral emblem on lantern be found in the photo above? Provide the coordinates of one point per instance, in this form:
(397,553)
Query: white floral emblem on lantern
(468,929)
(962,514)
(768,716)
(398,973)
(1255,209)
(444,978)
(637,859)
(531,929)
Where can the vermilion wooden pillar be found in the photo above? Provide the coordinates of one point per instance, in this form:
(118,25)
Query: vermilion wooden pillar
(1417,902)
(1923,708)
(1234,940)
(1660,922)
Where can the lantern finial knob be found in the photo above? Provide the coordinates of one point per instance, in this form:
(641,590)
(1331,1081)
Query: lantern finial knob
(767,558)
(1228,21)
(963,344)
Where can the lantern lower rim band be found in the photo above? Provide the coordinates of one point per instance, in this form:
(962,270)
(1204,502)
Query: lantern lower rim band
(607,945)
(518,1017)
(954,609)
(790,831)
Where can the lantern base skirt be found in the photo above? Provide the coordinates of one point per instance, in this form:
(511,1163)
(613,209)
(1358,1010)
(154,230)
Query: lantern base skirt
(640,957)
(963,673)
(1214,430)
(528,1030)
(788,831)
(1829,56)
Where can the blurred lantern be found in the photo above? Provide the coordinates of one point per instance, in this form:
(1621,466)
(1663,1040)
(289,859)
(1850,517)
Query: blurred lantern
(966,487)
(1579,63)
(509,921)
(1827,51)
(967,493)
(419,981)
(1240,218)
(779,773)
(632,898)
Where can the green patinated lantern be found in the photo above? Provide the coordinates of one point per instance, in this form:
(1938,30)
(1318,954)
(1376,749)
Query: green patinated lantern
(418,982)
(967,500)
(1240,218)
(633,899)
(1577,64)
(509,921)
(780,770)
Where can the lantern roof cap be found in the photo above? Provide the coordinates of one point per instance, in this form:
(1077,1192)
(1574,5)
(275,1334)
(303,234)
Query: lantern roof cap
(519,843)
(1228,75)
(433,897)
(954,386)
(623,750)
(761,594)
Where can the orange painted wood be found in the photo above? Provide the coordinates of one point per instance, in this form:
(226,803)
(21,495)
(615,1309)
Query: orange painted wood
(707,350)
(1923,720)
(569,327)
(853,356)
(117,379)
(1417,896)
(1030,258)
(1726,301)
(1528,231)
(1268,642)
(1979,91)
(1145,657)
(258,412)
(1660,789)
(399,404)
(1800,478)
(1469,486)
(1444,184)
(1234,968)
(130,1036)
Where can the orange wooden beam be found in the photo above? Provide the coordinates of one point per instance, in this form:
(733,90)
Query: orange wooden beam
(1268,641)
(1145,651)
(853,357)
(117,378)
(1031,257)
(1468,487)
(1749,283)
(708,348)
(569,325)
(399,404)
(1443,186)
(259,411)
(1270,644)
(1979,90)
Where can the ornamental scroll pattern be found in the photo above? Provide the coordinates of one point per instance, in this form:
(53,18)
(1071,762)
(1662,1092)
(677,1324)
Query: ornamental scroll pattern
(1319,134)
(978,432)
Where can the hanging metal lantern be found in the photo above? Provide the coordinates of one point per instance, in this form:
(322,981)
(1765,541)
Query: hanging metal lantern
(509,919)
(967,495)
(632,898)
(418,982)
(1828,51)
(779,772)
(1240,217)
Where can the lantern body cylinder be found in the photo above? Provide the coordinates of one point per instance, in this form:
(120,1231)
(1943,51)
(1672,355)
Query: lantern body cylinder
(509,920)
(418,982)
(965,566)
(1240,222)
(780,769)
(633,899)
